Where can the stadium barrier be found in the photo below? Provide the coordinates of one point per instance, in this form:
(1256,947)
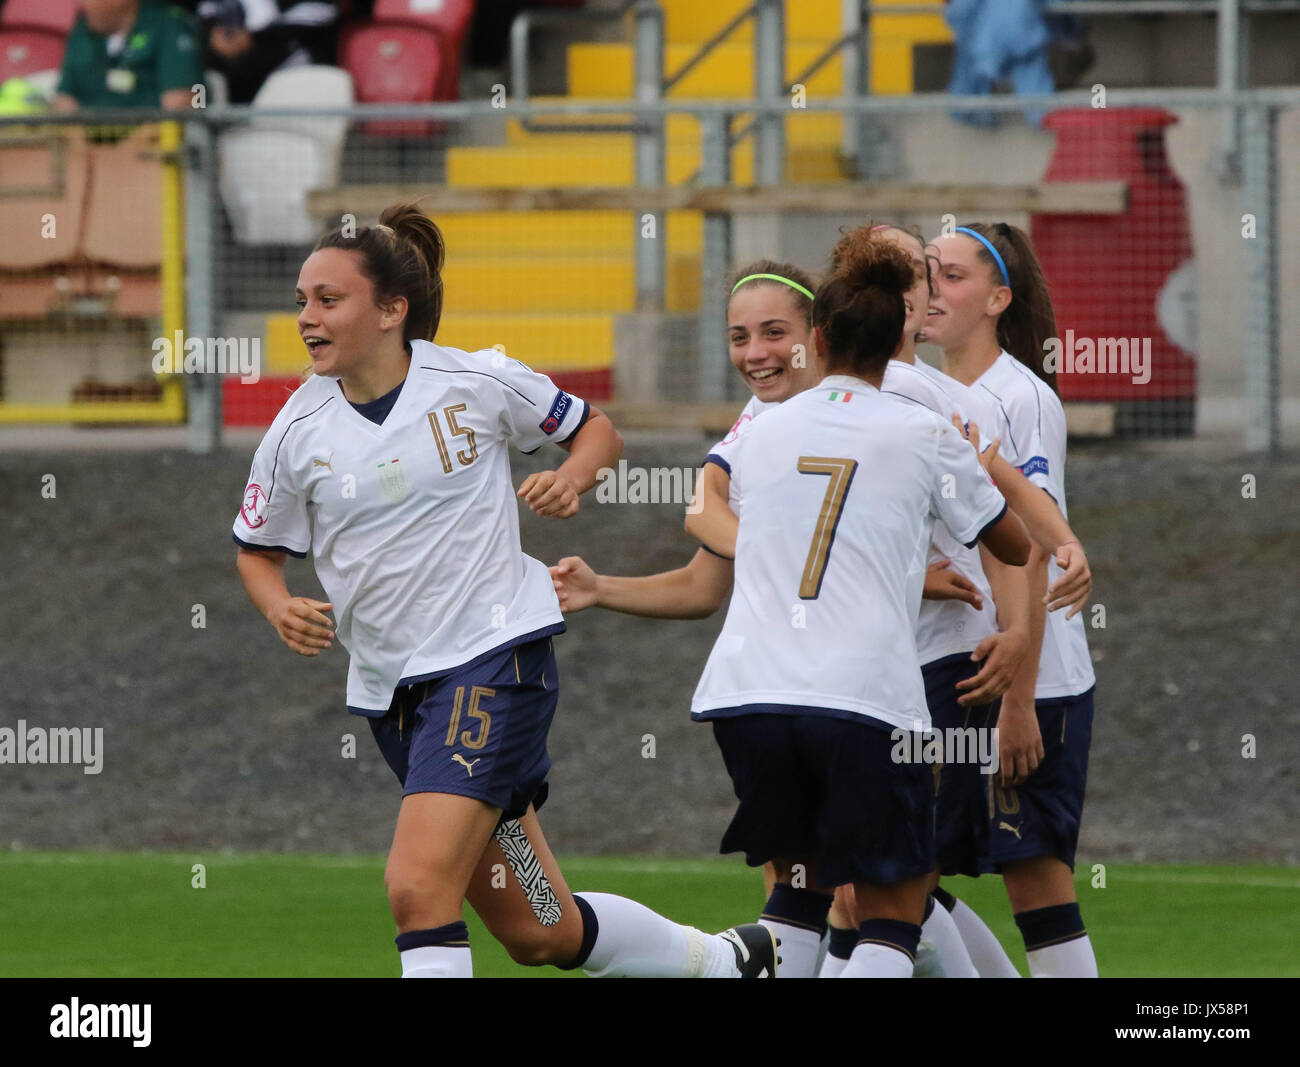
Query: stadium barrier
(1166,273)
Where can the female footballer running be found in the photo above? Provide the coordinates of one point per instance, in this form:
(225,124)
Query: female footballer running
(815,671)
(992,314)
(391,466)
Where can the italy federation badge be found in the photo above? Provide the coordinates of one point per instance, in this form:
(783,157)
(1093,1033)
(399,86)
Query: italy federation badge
(392,482)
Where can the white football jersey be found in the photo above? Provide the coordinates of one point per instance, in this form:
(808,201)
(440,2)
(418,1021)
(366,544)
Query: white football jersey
(947,627)
(1036,432)
(722,452)
(839,488)
(414,523)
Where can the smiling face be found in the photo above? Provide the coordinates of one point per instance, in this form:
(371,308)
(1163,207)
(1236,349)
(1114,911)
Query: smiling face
(968,293)
(337,315)
(764,324)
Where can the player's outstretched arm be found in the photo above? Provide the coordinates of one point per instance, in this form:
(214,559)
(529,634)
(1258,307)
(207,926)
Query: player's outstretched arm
(710,519)
(1020,742)
(1007,539)
(942,582)
(1002,652)
(594,447)
(695,591)
(300,621)
(1046,525)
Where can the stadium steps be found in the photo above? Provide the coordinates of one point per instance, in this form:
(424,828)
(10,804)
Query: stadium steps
(548,285)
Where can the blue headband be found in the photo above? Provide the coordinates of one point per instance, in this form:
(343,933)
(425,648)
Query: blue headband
(1006,278)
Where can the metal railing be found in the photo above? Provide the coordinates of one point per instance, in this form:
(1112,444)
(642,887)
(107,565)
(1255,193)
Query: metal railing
(1260,192)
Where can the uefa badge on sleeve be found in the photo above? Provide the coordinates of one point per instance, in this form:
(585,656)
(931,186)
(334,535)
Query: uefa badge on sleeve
(253,508)
(392,482)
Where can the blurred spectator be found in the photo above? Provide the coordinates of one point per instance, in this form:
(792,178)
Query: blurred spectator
(129,53)
(247,40)
(1069,51)
(998,41)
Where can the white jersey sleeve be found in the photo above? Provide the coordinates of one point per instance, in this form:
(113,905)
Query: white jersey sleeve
(533,409)
(962,495)
(1014,392)
(273,514)
(723,453)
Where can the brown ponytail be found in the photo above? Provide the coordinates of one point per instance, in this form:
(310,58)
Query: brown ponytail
(859,308)
(1029,321)
(402,256)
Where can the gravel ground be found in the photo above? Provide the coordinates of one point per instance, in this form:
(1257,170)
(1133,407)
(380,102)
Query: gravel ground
(218,737)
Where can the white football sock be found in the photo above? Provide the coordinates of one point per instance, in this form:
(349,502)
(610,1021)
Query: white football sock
(799,949)
(634,942)
(832,967)
(823,950)
(985,950)
(1071,959)
(950,957)
(437,961)
(877,961)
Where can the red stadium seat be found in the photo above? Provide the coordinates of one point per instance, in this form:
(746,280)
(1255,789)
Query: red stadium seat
(449,18)
(56,16)
(25,52)
(393,64)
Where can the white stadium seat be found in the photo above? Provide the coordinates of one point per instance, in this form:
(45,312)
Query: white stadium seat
(270,165)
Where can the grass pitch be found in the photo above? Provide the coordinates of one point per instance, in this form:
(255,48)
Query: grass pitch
(116,914)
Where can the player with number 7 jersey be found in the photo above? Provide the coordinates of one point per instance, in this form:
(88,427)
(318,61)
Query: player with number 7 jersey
(816,666)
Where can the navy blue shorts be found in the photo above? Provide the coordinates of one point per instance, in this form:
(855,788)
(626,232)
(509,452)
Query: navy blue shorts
(1041,817)
(961,796)
(479,731)
(825,788)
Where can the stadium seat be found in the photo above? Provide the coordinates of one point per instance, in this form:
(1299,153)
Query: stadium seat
(270,165)
(450,19)
(24,52)
(34,267)
(56,16)
(123,227)
(31,187)
(392,63)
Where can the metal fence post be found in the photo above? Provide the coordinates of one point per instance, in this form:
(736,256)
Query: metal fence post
(715,170)
(1259,163)
(651,258)
(203,391)
(769,88)
(1231,78)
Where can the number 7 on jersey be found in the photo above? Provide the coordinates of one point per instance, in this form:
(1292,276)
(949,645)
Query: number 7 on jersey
(840,472)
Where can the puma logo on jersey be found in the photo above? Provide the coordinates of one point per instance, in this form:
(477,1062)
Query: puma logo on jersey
(1004,825)
(327,463)
(458,758)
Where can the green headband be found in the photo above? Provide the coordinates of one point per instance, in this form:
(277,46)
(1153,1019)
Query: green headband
(774,278)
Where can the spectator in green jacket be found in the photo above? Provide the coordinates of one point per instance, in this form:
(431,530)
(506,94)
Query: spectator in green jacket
(130,53)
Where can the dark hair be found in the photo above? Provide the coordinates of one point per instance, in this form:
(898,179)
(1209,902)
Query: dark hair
(783,270)
(1028,321)
(402,256)
(914,232)
(859,308)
